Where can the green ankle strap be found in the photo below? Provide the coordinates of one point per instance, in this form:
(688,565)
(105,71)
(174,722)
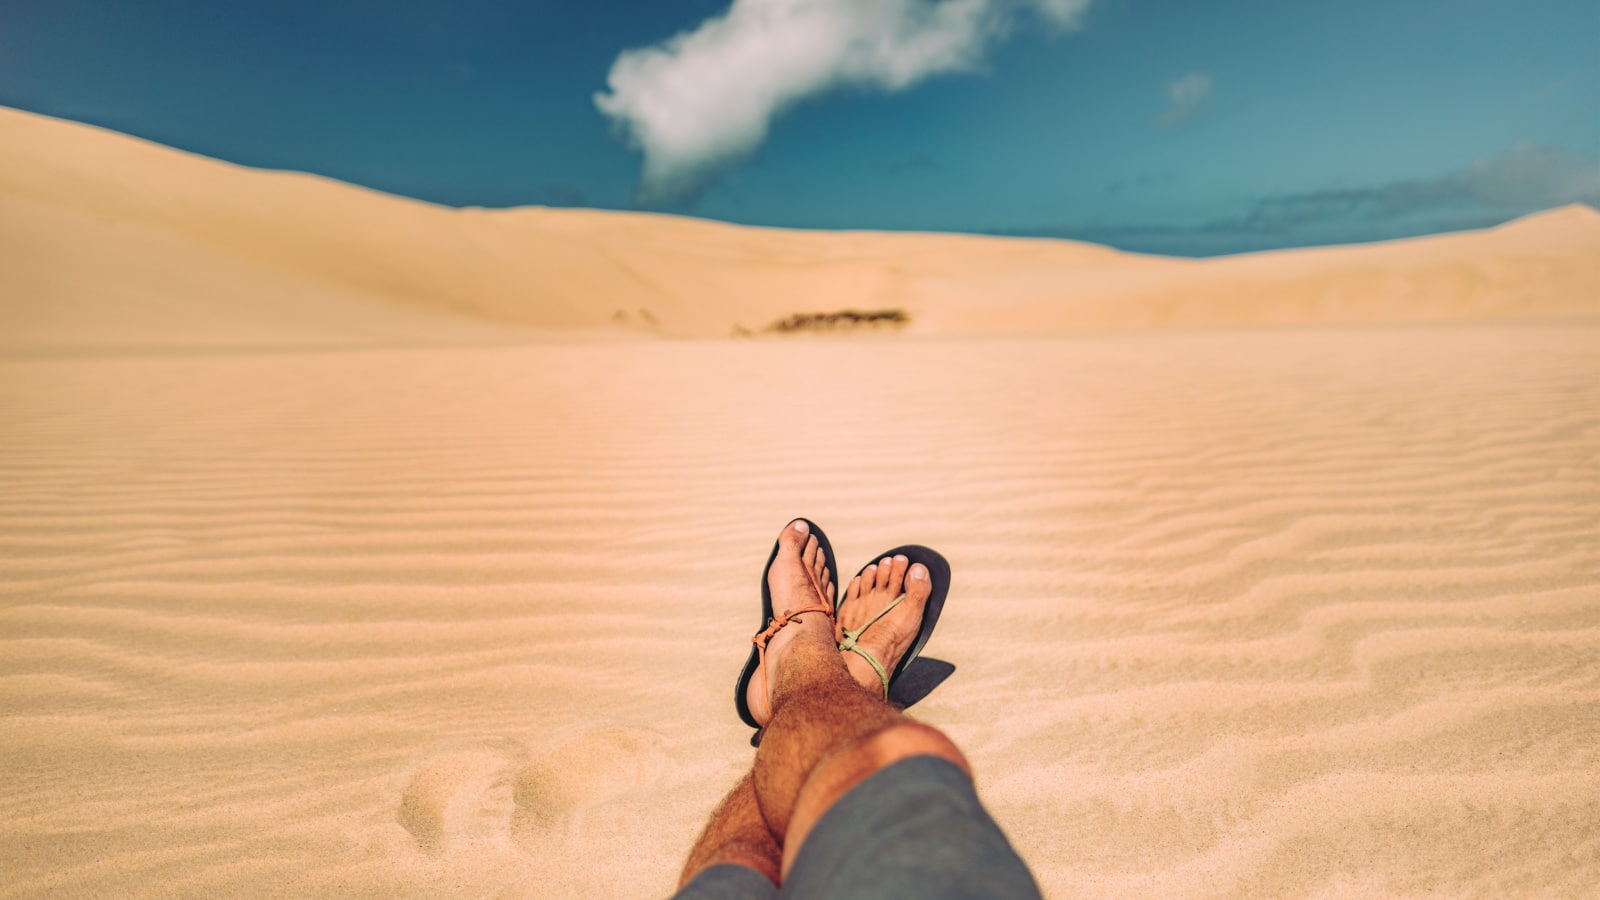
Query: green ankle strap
(849,645)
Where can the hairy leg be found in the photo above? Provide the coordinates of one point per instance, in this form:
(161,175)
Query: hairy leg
(819,709)
(829,734)
(736,834)
(831,728)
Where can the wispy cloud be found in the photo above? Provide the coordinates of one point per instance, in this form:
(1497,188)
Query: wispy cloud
(706,99)
(1526,178)
(1186,96)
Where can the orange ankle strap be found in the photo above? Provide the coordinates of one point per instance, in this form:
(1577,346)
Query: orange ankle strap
(783,619)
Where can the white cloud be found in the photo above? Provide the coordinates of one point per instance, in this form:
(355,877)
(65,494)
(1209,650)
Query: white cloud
(706,99)
(1186,96)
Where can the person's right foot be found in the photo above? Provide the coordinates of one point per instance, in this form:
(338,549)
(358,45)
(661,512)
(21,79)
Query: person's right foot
(891,636)
(799,578)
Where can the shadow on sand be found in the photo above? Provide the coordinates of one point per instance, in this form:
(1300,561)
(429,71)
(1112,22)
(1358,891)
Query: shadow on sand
(919,680)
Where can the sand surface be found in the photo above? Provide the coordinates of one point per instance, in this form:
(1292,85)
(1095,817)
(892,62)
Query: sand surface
(316,580)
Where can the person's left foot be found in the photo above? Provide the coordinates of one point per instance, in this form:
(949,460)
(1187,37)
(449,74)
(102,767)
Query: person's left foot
(890,637)
(799,577)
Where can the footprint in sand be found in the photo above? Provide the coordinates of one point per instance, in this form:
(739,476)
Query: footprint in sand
(454,794)
(588,770)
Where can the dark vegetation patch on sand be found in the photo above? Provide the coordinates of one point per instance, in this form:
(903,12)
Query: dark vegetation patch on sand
(847,318)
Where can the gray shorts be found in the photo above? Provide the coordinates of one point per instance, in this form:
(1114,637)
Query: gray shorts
(914,829)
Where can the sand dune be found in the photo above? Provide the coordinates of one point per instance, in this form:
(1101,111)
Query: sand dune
(107,241)
(338,561)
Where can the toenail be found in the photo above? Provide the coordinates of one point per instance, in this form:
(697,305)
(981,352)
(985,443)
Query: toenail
(919,573)
(801,526)
(901,558)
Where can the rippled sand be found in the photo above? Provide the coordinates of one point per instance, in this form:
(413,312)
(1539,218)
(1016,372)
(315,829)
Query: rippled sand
(355,547)
(1278,613)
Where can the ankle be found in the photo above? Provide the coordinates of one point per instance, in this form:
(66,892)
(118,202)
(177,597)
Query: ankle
(810,660)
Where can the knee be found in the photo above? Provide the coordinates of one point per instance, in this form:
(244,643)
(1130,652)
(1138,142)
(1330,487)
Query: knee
(838,773)
(904,740)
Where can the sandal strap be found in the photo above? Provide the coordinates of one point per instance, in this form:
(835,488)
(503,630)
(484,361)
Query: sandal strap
(761,640)
(785,618)
(847,644)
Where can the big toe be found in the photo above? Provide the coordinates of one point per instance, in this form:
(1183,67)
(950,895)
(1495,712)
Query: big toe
(799,575)
(917,586)
(794,536)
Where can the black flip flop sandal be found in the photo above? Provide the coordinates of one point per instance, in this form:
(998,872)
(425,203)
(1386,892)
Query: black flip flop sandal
(742,688)
(939,575)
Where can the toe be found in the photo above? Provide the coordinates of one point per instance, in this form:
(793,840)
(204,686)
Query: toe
(885,569)
(853,590)
(869,579)
(917,586)
(792,578)
(795,536)
(897,573)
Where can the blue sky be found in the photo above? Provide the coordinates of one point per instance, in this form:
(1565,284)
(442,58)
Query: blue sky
(1155,125)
